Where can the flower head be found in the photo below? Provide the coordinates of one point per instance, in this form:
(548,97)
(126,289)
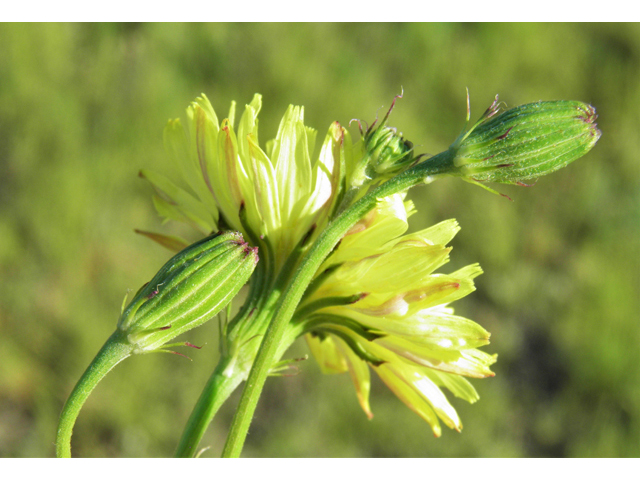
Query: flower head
(364,292)
(274,196)
(382,306)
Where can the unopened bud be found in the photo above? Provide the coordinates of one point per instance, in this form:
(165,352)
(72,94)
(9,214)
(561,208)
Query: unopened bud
(385,153)
(524,142)
(188,290)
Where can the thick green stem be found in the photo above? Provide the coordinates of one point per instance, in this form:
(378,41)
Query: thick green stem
(113,352)
(293,293)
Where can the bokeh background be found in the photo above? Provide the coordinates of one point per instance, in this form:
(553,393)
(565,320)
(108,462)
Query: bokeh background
(82,108)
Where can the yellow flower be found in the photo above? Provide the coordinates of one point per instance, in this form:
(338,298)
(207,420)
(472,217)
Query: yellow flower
(380,304)
(275,197)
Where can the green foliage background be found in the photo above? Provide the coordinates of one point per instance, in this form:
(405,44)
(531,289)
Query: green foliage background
(82,108)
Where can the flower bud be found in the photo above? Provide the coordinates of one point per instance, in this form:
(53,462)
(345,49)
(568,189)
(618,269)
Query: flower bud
(524,142)
(387,152)
(188,290)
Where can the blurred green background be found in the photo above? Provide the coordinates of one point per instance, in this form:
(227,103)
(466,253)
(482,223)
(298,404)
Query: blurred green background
(82,108)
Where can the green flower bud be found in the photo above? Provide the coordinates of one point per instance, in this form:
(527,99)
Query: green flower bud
(188,290)
(524,142)
(385,153)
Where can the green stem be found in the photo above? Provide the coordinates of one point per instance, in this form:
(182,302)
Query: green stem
(234,363)
(215,393)
(228,374)
(113,352)
(293,293)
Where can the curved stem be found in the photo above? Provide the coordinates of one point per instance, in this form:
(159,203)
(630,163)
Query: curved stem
(112,352)
(293,293)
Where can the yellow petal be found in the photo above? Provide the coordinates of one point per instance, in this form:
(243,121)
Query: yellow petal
(359,371)
(327,354)
(178,149)
(265,192)
(387,221)
(189,206)
(439,234)
(173,212)
(410,396)
(457,385)
(468,362)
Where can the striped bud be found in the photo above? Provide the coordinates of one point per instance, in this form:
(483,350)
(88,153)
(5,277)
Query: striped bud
(188,290)
(524,142)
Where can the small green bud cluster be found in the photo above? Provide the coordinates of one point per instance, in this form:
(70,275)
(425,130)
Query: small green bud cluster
(524,142)
(387,153)
(188,290)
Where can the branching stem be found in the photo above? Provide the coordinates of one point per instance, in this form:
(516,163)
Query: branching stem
(292,293)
